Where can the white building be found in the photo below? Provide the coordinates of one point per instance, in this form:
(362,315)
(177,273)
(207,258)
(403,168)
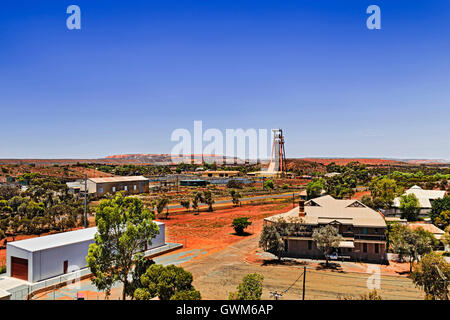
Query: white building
(41,258)
(425,197)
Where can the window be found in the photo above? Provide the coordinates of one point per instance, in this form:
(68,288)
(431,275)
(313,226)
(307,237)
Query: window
(364,247)
(377,249)
(100,189)
(364,230)
(286,245)
(134,187)
(113,189)
(125,188)
(309,244)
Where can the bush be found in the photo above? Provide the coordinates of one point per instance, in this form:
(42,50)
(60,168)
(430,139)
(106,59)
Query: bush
(239,224)
(2,269)
(234,184)
(249,289)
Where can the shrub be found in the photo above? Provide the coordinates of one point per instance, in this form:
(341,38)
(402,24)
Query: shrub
(239,224)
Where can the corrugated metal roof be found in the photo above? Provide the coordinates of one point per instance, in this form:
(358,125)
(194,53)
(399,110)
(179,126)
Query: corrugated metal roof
(424,196)
(55,240)
(119,179)
(58,240)
(328,209)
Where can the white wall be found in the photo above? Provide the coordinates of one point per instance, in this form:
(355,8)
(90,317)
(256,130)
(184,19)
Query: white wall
(12,251)
(160,239)
(50,262)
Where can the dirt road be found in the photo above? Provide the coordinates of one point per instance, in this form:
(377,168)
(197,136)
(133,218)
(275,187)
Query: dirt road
(219,273)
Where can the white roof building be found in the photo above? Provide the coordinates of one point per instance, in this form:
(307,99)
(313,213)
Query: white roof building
(425,196)
(45,257)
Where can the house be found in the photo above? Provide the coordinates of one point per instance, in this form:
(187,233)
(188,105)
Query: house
(438,233)
(362,228)
(45,257)
(129,184)
(426,198)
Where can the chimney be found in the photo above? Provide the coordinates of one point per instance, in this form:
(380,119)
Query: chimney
(301,208)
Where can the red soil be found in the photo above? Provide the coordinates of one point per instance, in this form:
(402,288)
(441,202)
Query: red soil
(212,231)
(360,194)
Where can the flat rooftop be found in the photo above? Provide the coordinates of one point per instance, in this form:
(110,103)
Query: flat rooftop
(55,240)
(58,239)
(119,179)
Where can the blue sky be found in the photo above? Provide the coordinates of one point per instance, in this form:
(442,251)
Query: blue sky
(137,70)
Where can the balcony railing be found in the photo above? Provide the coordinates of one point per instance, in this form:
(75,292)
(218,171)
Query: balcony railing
(370,237)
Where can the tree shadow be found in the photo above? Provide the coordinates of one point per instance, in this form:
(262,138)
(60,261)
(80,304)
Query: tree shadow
(283,262)
(331,266)
(243,234)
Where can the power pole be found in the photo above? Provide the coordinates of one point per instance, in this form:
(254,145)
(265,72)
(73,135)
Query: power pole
(293,200)
(304,282)
(85,200)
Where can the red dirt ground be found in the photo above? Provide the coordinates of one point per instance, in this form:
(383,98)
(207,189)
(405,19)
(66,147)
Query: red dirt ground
(212,231)
(360,194)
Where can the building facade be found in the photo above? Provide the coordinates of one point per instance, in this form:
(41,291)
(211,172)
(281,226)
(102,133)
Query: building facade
(127,184)
(362,229)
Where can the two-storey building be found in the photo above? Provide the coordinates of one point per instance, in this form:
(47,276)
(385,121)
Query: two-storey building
(362,228)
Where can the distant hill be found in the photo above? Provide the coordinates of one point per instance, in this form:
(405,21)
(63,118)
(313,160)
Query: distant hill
(345,161)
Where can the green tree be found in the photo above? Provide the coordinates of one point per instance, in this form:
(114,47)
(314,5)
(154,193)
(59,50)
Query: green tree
(249,289)
(239,224)
(445,239)
(161,204)
(326,238)
(276,232)
(443,219)
(271,240)
(386,190)
(235,197)
(124,227)
(409,206)
(185,204)
(209,200)
(196,200)
(140,267)
(268,184)
(314,189)
(406,242)
(432,275)
(167,283)
(438,206)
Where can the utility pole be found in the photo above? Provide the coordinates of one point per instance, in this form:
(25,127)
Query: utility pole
(293,200)
(304,282)
(85,201)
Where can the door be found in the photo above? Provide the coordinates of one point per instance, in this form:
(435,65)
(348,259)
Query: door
(19,268)
(66,266)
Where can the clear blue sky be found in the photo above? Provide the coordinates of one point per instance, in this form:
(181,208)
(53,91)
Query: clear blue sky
(137,70)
